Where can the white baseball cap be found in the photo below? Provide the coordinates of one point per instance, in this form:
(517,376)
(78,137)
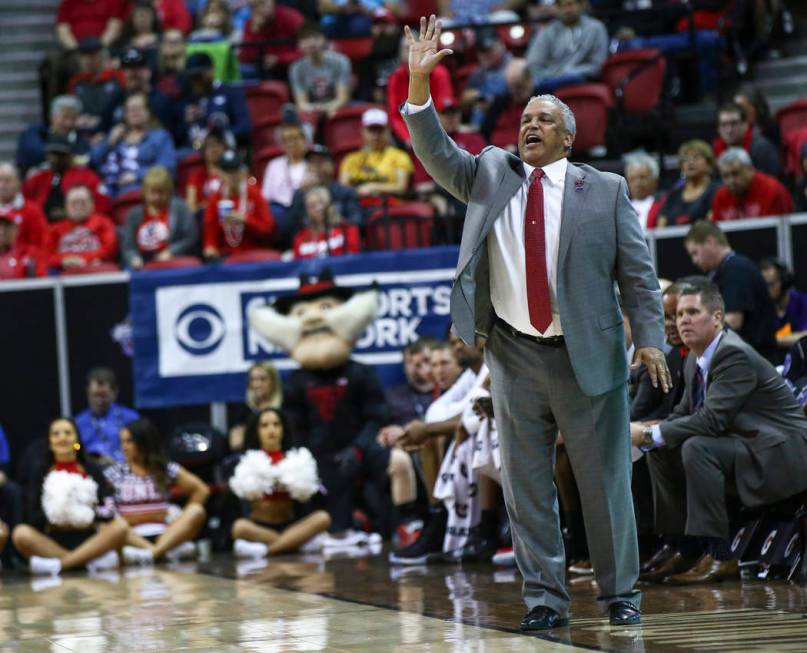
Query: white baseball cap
(373,117)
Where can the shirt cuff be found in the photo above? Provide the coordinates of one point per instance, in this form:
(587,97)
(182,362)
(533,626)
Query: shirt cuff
(658,439)
(410,109)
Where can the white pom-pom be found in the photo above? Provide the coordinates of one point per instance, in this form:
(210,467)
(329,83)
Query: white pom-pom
(69,499)
(254,476)
(297,472)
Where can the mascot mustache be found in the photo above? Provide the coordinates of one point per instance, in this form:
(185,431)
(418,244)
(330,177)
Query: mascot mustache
(347,321)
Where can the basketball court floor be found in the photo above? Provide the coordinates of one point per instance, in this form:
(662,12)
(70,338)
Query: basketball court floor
(358,604)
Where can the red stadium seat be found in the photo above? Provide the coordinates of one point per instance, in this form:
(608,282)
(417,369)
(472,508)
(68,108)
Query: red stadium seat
(254,256)
(505,134)
(354,49)
(186,167)
(792,144)
(266,99)
(516,36)
(345,124)
(264,131)
(122,204)
(173,262)
(793,116)
(590,104)
(262,158)
(400,226)
(636,79)
(98,268)
(414,9)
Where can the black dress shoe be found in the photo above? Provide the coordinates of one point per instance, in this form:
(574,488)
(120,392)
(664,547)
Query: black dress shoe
(542,618)
(659,558)
(623,613)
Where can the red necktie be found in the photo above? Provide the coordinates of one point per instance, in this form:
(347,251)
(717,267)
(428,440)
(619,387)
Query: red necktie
(538,300)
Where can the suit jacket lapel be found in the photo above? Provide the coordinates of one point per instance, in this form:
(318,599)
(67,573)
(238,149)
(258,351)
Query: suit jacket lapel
(574,195)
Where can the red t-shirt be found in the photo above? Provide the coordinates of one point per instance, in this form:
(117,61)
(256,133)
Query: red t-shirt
(152,234)
(343,239)
(205,184)
(228,238)
(32,226)
(766,196)
(398,89)
(89,17)
(38,186)
(93,239)
(285,25)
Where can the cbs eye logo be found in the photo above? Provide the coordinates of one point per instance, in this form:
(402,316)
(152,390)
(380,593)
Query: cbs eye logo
(200,329)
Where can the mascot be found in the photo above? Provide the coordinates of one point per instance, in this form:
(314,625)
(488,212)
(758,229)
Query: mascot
(336,405)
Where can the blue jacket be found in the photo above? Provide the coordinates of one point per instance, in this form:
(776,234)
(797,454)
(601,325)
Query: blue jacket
(31,146)
(101,433)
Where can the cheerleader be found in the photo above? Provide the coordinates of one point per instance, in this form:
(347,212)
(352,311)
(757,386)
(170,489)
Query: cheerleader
(143,485)
(71,516)
(273,478)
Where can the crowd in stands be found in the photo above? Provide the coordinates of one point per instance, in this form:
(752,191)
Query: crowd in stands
(277,124)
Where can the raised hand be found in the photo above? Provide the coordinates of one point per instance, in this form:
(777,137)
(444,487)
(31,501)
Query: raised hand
(424,52)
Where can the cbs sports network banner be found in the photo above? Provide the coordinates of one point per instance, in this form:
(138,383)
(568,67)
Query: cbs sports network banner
(193,343)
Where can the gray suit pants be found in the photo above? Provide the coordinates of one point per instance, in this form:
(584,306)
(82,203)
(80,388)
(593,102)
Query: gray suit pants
(535,395)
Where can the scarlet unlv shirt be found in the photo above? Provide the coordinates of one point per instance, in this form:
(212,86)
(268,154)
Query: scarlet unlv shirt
(229,237)
(765,196)
(152,234)
(92,239)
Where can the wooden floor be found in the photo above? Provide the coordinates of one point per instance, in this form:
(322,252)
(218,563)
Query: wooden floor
(363,604)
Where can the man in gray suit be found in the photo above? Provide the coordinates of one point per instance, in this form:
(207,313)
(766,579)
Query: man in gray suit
(737,423)
(540,258)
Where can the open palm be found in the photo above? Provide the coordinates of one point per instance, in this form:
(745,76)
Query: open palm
(424,53)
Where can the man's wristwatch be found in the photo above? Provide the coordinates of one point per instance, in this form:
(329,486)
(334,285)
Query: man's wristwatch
(647,439)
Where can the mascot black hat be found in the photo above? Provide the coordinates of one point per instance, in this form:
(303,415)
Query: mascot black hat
(311,288)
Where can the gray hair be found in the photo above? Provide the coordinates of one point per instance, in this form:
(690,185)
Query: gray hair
(635,160)
(566,113)
(63,102)
(735,155)
(7,166)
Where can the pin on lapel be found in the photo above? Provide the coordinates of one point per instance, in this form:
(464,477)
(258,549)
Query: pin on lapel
(578,185)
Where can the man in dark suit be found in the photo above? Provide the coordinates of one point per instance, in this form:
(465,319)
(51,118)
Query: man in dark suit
(736,423)
(545,245)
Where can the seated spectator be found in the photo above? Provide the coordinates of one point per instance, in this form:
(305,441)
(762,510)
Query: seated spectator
(61,534)
(321,173)
(132,147)
(31,228)
(378,169)
(351,18)
(100,424)
(163,227)
(83,238)
(570,50)
(753,101)
(173,15)
(18,261)
(277,523)
(641,173)
(237,218)
(284,174)
(143,485)
(748,307)
(461,12)
(791,304)
(487,81)
(735,130)
(95,85)
(259,55)
(736,422)
(324,233)
(320,80)
(64,113)
(691,200)
(48,187)
(78,19)
(206,102)
(137,74)
(142,31)
(264,390)
(800,191)
(506,109)
(747,192)
(205,181)
(440,90)
(213,23)
(171,63)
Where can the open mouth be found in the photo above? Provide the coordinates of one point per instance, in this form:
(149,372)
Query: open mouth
(317,329)
(532,139)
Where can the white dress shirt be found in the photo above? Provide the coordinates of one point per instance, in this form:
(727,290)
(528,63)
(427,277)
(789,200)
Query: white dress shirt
(508,278)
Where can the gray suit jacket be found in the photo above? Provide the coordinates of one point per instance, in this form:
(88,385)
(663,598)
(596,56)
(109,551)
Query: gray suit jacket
(747,399)
(601,245)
